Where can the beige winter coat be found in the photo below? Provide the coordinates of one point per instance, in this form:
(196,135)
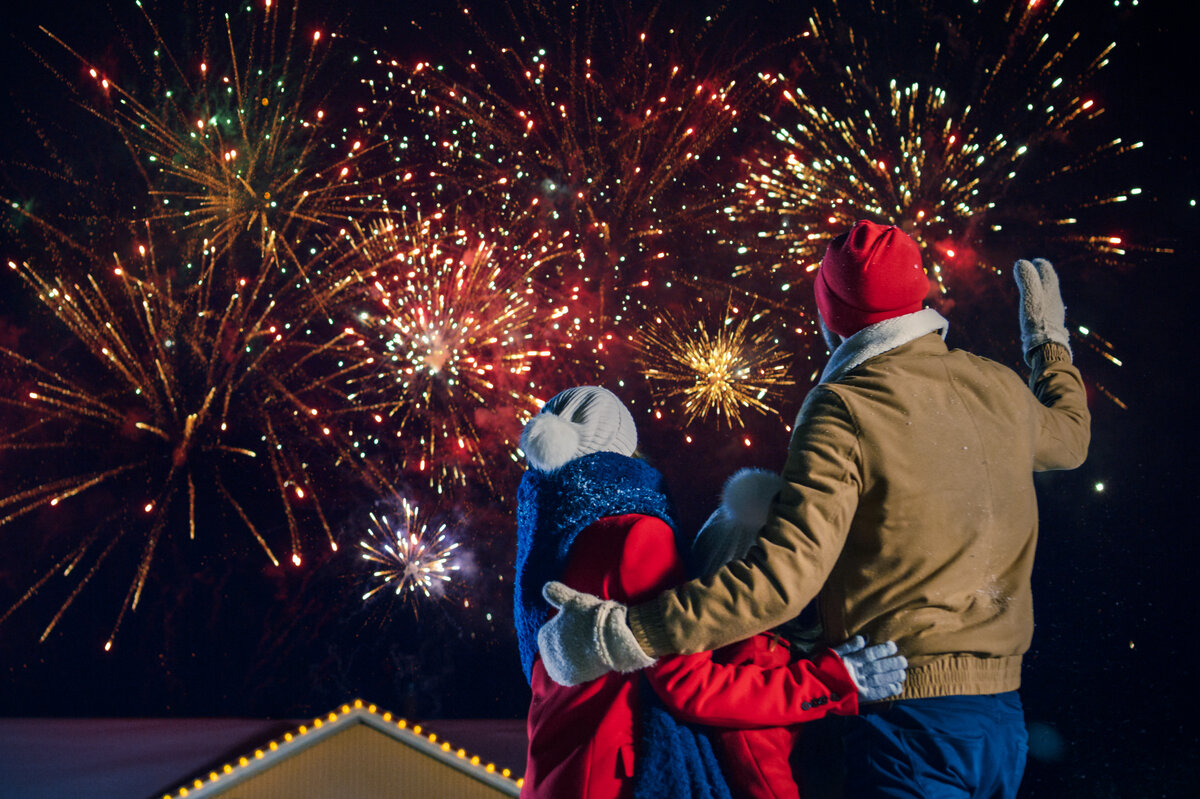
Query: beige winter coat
(909,503)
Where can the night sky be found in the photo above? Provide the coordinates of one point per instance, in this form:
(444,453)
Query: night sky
(1107,685)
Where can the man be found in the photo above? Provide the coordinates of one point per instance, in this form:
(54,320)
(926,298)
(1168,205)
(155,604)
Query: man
(908,503)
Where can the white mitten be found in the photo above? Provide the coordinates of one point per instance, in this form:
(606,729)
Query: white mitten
(734,526)
(877,671)
(1042,313)
(587,638)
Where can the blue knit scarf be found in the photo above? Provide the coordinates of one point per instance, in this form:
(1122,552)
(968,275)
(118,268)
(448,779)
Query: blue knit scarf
(553,508)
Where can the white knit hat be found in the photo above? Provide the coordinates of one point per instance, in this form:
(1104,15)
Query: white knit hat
(578,422)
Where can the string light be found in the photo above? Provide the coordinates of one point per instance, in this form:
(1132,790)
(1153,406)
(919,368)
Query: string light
(347,714)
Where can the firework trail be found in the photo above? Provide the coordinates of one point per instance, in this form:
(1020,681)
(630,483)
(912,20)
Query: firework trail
(933,136)
(182,405)
(605,121)
(719,366)
(457,333)
(410,557)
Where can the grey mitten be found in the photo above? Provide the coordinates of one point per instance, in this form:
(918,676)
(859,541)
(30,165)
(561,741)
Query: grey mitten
(587,638)
(1042,313)
(877,671)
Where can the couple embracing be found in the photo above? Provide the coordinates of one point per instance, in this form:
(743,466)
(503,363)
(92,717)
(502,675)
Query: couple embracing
(660,663)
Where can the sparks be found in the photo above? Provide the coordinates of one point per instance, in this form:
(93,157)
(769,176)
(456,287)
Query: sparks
(447,328)
(410,558)
(720,368)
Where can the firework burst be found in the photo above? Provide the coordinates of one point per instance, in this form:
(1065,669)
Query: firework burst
(598,118)
(231,133)
(181,405)
(412,559)
(720,367)
(455,329)
(944,156)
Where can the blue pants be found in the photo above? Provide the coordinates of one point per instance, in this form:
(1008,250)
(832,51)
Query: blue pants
(947,747)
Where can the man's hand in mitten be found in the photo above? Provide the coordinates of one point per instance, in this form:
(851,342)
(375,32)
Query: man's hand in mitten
(877,671)
(587,638)
(1042,314)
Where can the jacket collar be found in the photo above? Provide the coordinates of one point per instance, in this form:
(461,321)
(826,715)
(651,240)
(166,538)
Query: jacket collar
(880,337)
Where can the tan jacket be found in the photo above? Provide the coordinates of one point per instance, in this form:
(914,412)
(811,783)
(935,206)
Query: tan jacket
(908,502)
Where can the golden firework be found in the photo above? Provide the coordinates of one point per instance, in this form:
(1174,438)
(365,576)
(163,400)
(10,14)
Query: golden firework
(231,133)
(178,402)
(934,137)
(720,367)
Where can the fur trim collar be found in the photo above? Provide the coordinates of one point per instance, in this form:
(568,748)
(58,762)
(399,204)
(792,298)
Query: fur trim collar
(880,337)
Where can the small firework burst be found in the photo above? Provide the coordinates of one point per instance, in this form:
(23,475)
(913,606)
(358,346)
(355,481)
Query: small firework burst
(454,327)
(719,367)
(412,559)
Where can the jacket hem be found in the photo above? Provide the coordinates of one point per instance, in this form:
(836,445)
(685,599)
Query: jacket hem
(963,675)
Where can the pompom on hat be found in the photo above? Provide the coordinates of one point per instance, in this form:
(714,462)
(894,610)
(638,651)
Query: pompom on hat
(869,274)
(578,422)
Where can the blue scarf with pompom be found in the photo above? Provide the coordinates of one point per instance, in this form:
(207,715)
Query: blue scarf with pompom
(553,508)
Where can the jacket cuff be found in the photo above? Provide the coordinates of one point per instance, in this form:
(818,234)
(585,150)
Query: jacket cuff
(624,653)
(836,677)
(1050,351)
(647,626)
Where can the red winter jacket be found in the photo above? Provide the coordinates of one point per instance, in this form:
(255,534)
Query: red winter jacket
(757,761)
(581,738)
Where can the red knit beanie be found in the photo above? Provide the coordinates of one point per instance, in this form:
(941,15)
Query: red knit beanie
(870,274)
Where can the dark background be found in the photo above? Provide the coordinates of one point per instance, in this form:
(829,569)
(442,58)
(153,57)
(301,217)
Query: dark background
(1109,685)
